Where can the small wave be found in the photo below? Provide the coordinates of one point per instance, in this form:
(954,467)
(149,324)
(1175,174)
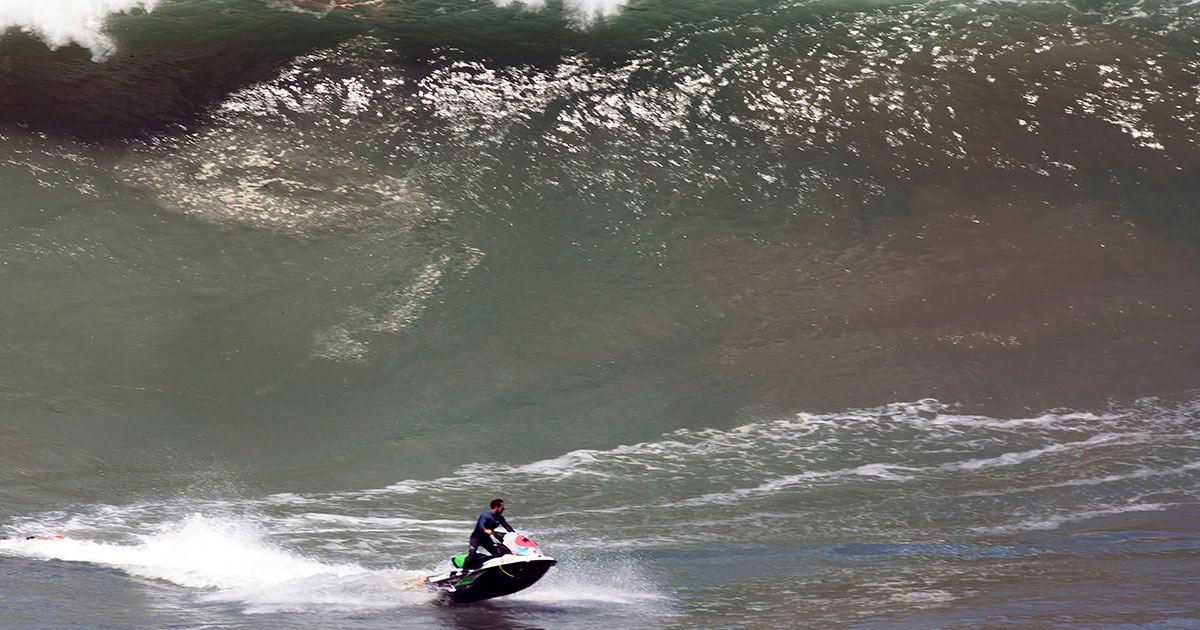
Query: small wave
(1016,458)
(914,470)
(896,443)
(1138,474)
(1056,521)
(923,598)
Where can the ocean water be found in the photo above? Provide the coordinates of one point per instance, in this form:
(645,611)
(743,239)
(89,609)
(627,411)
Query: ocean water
(809,314)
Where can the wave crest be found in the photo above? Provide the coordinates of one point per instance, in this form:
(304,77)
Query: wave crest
(67,22)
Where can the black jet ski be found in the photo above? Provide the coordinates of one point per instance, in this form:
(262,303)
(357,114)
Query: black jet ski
(519,565)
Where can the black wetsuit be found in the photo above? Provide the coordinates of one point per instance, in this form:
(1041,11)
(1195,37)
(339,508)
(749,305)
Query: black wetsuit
(489,521)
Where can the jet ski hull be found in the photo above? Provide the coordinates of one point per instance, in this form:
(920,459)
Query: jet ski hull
(503,576)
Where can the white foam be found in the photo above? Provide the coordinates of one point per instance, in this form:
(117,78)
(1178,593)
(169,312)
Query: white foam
(198,552)
(1055,521)
(923,598)
(60,23)
(322,593)
(611,584)
(1016,458)
(234,560)
(883,472)
(1141,473)
(582,12)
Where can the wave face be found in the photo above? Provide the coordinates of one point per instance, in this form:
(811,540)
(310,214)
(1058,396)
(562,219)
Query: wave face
(293,288)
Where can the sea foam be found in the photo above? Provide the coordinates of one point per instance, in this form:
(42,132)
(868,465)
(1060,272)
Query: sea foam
(82,22)
(583,12)
(198,552)
(65,22)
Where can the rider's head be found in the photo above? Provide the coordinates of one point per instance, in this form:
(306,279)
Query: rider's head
(498,503)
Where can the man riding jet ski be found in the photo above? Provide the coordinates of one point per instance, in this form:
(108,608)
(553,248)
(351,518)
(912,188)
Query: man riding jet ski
(485,527)
(513,565)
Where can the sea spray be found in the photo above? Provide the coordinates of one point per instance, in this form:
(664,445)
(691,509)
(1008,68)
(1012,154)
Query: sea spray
(197,551)
(582,12)
(61,23)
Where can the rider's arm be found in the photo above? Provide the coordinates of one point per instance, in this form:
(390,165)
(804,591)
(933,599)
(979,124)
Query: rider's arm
(483,524)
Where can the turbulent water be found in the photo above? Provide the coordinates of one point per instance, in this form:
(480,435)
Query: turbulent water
(808,314)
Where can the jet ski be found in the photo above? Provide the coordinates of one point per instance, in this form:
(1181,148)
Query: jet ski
(519,564)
